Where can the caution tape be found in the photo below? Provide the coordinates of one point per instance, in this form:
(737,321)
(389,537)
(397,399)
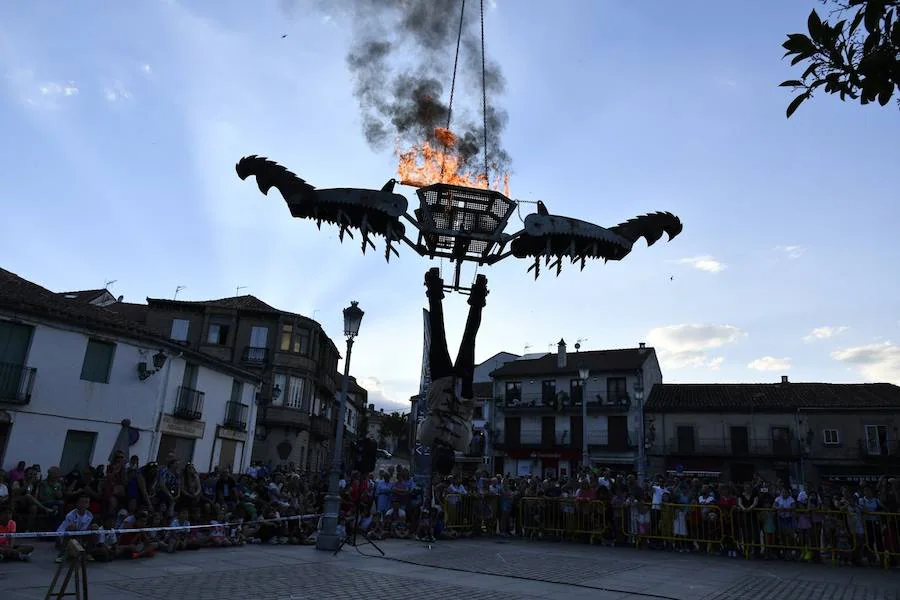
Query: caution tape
(178,529)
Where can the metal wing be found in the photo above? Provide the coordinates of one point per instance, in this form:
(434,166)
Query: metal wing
(552,236)
(370,211)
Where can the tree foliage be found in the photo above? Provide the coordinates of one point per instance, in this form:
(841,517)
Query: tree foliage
(857,56)
(394,425)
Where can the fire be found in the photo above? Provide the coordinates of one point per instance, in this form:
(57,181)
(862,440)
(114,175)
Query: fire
(424,164)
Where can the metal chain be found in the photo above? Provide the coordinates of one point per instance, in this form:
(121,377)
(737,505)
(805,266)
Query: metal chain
(484,98)
(462,14)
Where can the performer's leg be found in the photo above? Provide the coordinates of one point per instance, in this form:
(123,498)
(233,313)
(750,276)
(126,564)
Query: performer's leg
(438,354)
(465,360)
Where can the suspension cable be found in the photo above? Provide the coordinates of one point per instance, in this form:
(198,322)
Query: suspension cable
(462,14)
(484,99)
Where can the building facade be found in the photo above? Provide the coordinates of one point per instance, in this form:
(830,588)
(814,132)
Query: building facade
(296,361)
(77,380)
(789,432)
(537,425)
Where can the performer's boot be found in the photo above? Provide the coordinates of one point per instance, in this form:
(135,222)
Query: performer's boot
(434,285)
(478,295)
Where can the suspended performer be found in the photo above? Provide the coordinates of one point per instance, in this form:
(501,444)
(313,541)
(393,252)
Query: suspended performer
(447,426)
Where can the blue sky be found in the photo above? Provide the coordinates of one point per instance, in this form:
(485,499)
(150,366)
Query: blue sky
(122,123)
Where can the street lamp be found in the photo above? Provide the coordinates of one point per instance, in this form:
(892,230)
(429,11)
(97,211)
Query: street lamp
(642,442)
(584,373)
(328,538)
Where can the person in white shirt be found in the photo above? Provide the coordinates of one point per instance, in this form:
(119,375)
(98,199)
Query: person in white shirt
(78,519)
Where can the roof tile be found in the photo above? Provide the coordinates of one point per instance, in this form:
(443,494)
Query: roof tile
(625,359)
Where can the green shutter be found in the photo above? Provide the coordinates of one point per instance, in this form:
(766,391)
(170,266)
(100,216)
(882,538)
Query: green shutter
(97,361)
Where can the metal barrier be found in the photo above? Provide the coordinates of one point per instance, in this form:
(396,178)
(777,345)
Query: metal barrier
(679,526)
(568,518)
(803,534)
(471,513)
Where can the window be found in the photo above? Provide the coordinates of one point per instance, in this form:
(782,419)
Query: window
(287,334)
(684,435)
(237,390)
(830,437)
(548,390)
(78,450)
(301,341)
(259,337)
(296,394)
(98,358)
(513,392)
(876,440)
(575,390)
(616,390)
(180,329)
(280,382)
(217,335)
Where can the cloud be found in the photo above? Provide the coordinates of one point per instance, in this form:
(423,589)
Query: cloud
(686,345)
(147,69)
(382,395)
(770,363)
(37,93)
(116,92)
(877,362)
(822,333)
(703,263)
(791,252)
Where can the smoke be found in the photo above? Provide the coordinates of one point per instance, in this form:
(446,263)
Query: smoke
(401,60)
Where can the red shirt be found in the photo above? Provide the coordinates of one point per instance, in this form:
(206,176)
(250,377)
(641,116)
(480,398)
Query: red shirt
(9,527)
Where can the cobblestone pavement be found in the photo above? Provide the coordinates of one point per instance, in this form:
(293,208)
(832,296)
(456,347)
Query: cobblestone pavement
(489,569)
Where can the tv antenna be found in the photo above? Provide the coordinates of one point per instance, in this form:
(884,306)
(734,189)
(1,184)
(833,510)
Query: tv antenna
(527,348)
(178,289)
(109,283)
(237,291)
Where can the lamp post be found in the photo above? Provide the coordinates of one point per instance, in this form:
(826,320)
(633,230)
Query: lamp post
(328,538)
(584,373)
(642,443)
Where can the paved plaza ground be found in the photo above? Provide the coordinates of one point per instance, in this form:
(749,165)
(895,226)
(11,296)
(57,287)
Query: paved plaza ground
(481,569)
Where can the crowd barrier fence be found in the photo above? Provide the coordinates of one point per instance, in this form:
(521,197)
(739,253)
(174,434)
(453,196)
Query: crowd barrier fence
(798,533)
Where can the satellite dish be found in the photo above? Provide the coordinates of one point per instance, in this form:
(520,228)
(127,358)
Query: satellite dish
(577,346)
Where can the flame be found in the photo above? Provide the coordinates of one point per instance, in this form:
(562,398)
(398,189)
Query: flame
(424,164)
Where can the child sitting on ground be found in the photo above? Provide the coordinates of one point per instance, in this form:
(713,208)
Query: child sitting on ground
(138,544)
(9,550)
(106,547)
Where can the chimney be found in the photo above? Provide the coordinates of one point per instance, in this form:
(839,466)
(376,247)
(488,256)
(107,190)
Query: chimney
(561,354)
(371,408)
(642,345)
(784,379)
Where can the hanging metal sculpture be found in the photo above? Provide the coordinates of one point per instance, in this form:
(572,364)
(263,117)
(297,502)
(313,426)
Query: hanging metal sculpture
(459,223)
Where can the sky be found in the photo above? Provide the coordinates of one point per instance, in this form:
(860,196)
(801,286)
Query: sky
(122,123)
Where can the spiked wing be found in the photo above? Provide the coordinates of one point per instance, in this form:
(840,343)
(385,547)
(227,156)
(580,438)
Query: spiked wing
(555,237)
(370,211)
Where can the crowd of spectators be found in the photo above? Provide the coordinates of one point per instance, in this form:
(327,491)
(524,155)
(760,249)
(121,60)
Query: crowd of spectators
(118,509)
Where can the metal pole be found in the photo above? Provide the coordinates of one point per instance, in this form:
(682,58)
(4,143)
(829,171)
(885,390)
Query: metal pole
(642,443)
(328,538)
(585,459)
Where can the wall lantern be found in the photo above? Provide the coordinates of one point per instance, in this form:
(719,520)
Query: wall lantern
(159,361)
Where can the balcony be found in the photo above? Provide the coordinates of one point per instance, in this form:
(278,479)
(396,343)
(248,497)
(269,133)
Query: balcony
(189,404)
(562,403)
(16,382)
(285,416)
(255,356)
(724,447)
(236,415)
(881,452)
(560,441)
(321,427)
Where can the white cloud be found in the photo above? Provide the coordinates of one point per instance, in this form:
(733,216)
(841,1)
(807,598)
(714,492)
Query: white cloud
(381,396)
(146,68)
(116,92)
(39,93)
(791,252)
(822,333)
(877,362)
(703,263)
(686,345)
(770,363)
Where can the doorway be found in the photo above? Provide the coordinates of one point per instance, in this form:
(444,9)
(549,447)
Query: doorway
(78,450)
(740,441)
(228,455)
(617,433)
(548,431)
(182,448)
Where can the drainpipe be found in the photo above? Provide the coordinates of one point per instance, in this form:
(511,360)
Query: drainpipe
(160,407)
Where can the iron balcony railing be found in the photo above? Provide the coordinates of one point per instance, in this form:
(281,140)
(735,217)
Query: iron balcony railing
(321,427)
(880,450)
(236,415)
(255,356)
(16,383)
(722,446)
(189,404)
(564,402)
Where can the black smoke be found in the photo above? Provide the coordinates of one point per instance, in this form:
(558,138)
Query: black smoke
(401,60)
